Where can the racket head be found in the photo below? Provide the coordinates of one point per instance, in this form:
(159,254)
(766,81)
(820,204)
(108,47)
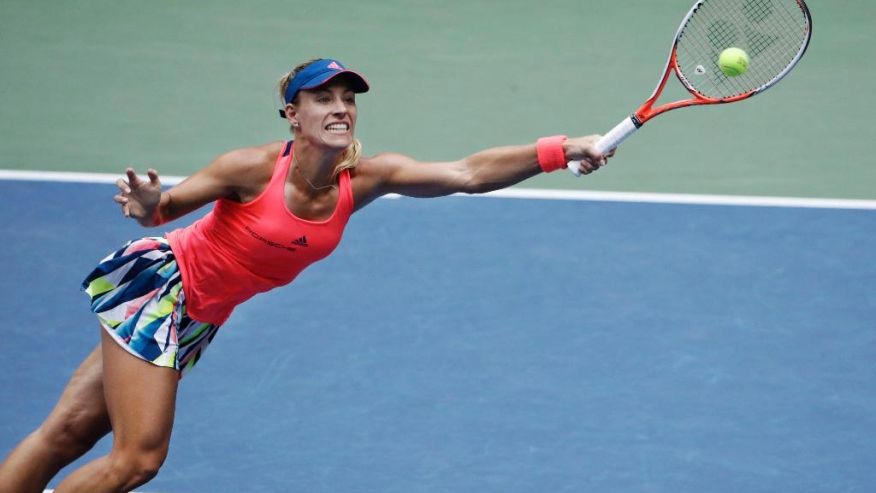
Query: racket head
(774,34)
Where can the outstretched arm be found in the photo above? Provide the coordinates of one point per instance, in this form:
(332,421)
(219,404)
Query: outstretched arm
(484,171)
(229,176)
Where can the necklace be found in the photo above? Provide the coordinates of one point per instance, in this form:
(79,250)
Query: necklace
(311,185)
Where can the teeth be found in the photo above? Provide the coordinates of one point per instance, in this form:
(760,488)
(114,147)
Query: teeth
(337,127)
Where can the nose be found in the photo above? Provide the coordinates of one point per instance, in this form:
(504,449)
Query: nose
(339,107)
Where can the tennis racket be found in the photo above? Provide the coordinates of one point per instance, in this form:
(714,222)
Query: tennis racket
(774,34)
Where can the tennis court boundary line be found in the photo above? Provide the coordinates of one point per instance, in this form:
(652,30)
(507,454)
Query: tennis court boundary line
(525,193)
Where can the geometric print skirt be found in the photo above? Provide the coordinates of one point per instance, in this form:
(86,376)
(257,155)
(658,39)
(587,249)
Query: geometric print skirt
(136,293)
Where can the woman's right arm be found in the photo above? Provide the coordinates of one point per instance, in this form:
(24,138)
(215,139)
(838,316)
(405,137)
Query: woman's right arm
(226,177)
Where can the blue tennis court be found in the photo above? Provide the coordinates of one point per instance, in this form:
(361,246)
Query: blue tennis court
(496,345)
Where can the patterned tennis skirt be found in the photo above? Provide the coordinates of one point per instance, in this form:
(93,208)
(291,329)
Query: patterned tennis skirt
(136,293)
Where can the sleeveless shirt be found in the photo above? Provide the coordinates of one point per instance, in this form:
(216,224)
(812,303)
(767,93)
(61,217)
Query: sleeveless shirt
(241,249)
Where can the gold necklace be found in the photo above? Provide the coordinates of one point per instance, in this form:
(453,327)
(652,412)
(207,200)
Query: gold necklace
(312,186)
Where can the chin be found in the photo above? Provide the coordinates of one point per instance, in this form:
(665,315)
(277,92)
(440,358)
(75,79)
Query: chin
(338,141)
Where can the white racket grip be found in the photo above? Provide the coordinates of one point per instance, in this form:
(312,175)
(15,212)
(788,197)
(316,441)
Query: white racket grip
(609,141)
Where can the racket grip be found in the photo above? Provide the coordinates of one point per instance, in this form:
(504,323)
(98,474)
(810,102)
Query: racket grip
(609,141)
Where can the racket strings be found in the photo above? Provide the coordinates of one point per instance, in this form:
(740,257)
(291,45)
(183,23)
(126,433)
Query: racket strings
(725,32)
(726,26)
(772,32)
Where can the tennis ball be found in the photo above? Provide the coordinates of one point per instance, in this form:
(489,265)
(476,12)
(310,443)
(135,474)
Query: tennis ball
(733,62)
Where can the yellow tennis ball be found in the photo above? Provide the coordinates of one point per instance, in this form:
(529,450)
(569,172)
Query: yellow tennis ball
(733,62)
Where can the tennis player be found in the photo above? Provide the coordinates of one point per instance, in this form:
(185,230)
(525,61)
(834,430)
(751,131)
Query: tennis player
(278,208)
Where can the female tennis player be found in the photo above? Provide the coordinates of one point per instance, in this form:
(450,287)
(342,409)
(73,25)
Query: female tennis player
(279,207)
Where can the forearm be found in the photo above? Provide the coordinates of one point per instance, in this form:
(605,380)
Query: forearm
(482,172)
(500,167)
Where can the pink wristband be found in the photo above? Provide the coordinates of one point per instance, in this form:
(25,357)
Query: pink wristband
(551,156)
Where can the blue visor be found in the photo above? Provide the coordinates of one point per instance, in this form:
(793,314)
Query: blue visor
(317,74)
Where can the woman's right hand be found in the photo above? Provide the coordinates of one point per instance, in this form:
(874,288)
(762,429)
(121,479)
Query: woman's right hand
(583,150)
(139,198)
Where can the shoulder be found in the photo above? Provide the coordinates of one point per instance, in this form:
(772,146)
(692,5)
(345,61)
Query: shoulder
(249,159)
(247,163)
(371,174)
(246,171)
(383,164)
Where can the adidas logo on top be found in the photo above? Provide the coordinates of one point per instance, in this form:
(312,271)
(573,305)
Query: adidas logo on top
(300,241)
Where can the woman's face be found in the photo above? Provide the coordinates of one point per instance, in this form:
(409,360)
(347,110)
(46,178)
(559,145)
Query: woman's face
(327,115)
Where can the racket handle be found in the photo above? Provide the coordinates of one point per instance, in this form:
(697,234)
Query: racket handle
(609,141)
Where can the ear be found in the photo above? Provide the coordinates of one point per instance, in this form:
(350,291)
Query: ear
(291,114)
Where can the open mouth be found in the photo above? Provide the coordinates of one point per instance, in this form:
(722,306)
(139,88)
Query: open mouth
(338,128)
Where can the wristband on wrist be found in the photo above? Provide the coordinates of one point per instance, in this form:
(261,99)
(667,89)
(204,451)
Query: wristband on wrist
(551,155)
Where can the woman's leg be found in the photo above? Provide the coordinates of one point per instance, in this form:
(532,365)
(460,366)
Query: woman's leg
(140,399)
(77,422)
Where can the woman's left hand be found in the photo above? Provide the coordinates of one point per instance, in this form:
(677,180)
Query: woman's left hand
(139,198)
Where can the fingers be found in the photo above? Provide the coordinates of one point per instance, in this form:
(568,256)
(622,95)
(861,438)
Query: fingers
(126,185)
(586,168)
(132,177)
(133,191)
(592,162)
(123,186)
(587,156)
(123,201)
(133,181)
(153,177)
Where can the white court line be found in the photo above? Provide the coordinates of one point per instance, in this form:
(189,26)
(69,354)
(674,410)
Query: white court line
(73,177)
(524,193)
(679,198)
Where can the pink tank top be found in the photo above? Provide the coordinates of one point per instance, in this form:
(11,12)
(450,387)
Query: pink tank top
(239,250)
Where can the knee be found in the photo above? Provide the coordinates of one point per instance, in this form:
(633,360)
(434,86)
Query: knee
(134,468)
(144,468)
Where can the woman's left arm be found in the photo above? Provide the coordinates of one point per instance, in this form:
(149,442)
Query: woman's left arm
(482,172)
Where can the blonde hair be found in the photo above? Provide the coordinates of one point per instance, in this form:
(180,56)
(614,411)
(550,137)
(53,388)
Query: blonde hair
(350,158)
